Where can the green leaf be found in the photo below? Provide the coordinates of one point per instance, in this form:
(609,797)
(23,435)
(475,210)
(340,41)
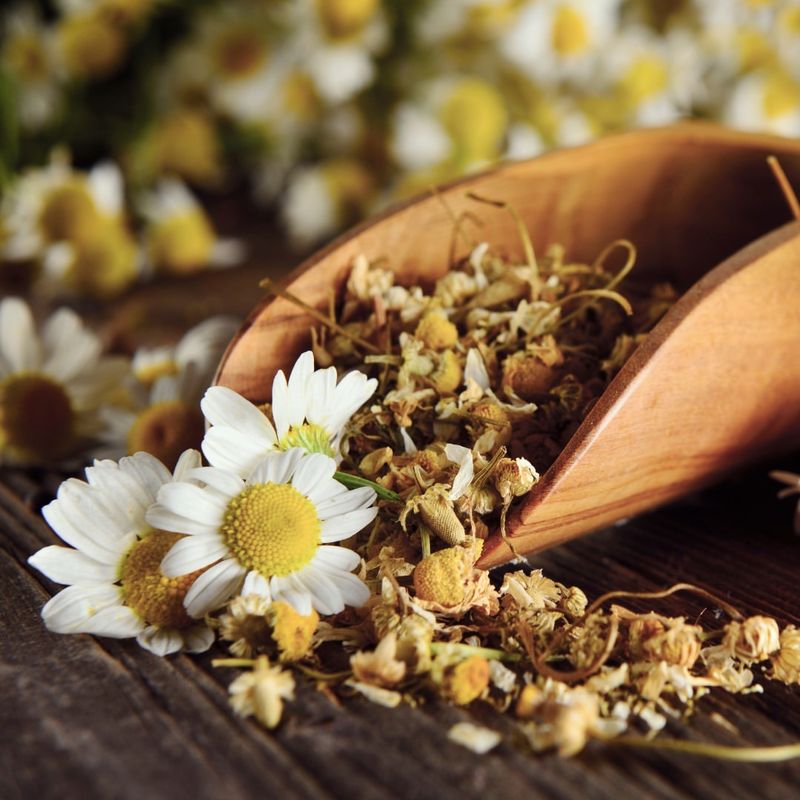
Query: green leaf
(354,482)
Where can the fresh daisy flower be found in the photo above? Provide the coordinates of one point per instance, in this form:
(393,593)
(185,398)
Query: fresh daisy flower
(72,222)
(462,120)
(555,39)
(465,22)
(337,41)
(162,415)
(321,198)
(767,100)
(52,385)
(270,535)
(29,55)
(310,411)
(114,585)
(180,238)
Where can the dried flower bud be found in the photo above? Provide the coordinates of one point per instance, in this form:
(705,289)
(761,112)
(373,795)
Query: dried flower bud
(414,636)
(786,662)
(679,644)
(447,375)
(466,681)
(755,639)
(573,602)
(436,331)
(381,667)
(514,477)
(435,508)
(532,372)
(245,625)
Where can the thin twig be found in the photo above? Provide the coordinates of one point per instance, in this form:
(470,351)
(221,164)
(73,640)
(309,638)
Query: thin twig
(786,187)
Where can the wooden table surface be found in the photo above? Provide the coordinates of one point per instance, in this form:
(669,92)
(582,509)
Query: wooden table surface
(98,718)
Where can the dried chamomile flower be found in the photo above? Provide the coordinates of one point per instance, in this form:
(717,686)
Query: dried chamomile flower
(380,667)
(753,640)
(514,477)
(245,625)
(465,681)
(786,662)
(448,583)
(436,332)
(532,372)
(260,692)
(414,637)
(661,639)
(573,601)
(529,591)
(292,632)
(725,671)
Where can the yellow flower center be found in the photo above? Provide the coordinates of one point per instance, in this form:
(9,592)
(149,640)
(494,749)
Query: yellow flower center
(26,57)
(92,45)
(645,78)
(467,680)
(239,53)
(68,212)
(755,50)
(186,144)
(36,418)
(300,96)
(182,243)
(440,578)
(158,600)
(436,332)
(569,34)
(105,261)
(781,96)
(447,377)
(343,19)
(312,438)
(166,430)
(476,118)
(272,528)
(291,631)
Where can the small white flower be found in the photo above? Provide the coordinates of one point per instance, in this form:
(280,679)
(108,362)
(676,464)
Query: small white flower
(767,100)
(52,385)
(269,535)
(114,586)
(310,411)
(162,414)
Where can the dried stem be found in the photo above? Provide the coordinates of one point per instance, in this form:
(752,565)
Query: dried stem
(760,755)
(785,186)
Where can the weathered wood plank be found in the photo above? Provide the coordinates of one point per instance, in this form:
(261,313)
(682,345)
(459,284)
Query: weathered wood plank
(100,718)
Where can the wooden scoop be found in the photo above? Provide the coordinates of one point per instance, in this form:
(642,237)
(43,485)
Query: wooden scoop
(717,382)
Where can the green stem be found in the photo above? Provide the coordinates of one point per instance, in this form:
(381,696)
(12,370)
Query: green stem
(233,662)
(323,676)
(355,482)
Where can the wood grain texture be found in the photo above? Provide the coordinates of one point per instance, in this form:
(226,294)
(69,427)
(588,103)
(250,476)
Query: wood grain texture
(96,718)
(677,416)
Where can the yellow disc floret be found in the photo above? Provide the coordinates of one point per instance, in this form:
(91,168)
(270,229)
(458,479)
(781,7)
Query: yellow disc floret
(182,243)
(447,377)
(570,34)
(466,681)
(239,53)
(36,418)
(157,599)
(442,577)
(436,331)
(310,437)
(67,212)
(92,44)
(292,632)
(166,430)
(271,528)
(343,19)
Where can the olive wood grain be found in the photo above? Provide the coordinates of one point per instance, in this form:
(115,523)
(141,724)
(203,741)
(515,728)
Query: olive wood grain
(716,384)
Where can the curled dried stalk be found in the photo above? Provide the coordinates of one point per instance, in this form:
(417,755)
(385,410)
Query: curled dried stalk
(730,610)
(272,288)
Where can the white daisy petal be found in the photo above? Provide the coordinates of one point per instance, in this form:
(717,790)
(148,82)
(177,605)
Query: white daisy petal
(353,590)
(223,406)
(256,583)
(192,553)
(223,481)
(148,471)
(227,448)
(276,467)
(65,565)
(198,638)
(335,529)
(187,461)
(326,597)
(342,502)
(19,344)
(165,519)
(72,608)
(299,388)
(192,502)
(160,641)
(463,457)
(280,404)
(213,587)
(293,593)
(115,621)
(314,470)
(332,558)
